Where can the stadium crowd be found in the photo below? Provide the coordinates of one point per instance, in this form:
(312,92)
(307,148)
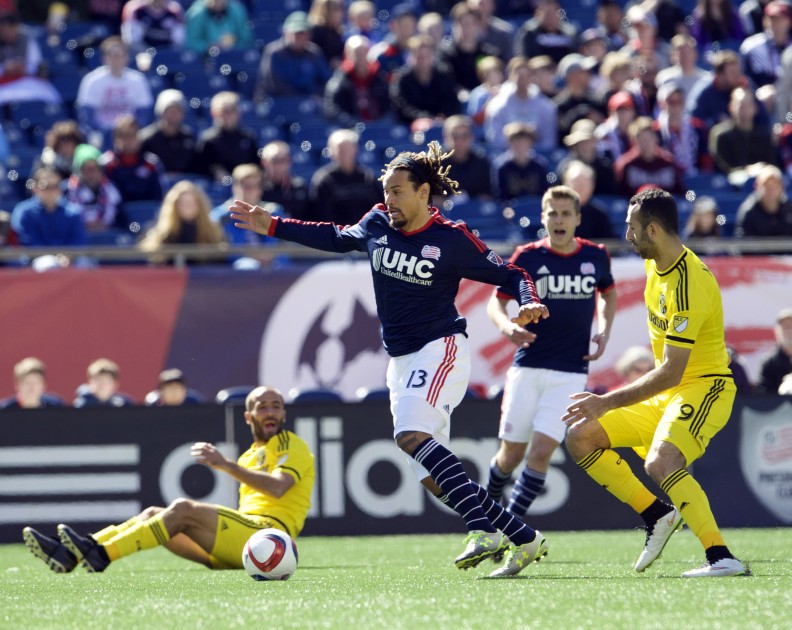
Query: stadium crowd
(127,122)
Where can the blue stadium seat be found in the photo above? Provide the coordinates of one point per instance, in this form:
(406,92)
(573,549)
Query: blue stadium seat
(288,109)
(175,60)
(230,395)
(107,237)
(297,395)
(141,212)
(67,85)
(383,132)
(375,393)
(314,131)
(21,160)
(198,84)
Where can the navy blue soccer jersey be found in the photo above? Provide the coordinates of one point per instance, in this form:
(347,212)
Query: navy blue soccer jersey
(416,274)
(567,284)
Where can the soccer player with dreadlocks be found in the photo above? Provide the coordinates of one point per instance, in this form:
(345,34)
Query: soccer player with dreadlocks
(418,259)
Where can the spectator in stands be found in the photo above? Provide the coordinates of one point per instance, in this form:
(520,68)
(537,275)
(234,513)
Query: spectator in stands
(340,190)
(683,136)
(642,85)
(752,15)
(168,137)
(610,23)
(281,187)
(644,39)
(544,74)
(172,391)
(90,189)
(703,220)
(671,19)
(47,219)
(221,23)
(784,89)
(767,211)
(519,100)
(423,89)
(519,171)
(357,91)
(776,367)
(326,18)
(496,32)
(593,44)
(292,65)
(152,23)
(391,52)
(683,70)
(785,148)
(135,174)
(613,136)
(362,20)
(634,363)
(21,61)
(183,219)
(646,163)
(761,53)
(470,165)
(59,144)
(615,70)
(545,33)
(247,184)
(490,74)
(576,101)
(594,221)
(737,143)
(113,90)
(30,383)
(582,145)
(708,100)
(465,47)
(101,388)
(225,144)
(432,25)
(715,21)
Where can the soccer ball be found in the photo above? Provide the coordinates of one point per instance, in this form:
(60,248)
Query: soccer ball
(270,554)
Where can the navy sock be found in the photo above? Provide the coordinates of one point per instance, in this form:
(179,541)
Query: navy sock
(448,473)
(527,488)
(517,531)
(497,481)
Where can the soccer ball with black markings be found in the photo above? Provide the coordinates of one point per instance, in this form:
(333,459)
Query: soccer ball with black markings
(270,554)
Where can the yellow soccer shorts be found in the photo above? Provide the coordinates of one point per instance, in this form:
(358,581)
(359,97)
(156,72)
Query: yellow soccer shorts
(687,416)
(233,531)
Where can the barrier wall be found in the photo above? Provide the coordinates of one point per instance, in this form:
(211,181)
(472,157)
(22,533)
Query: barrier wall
(93,466)
(298,327)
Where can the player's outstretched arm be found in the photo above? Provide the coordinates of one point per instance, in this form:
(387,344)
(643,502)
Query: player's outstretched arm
(249,217)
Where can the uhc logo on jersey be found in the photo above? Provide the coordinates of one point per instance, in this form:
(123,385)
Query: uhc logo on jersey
(564,286)
(399,265)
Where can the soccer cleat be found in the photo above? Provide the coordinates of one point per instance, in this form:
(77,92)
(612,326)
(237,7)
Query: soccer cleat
(521,556)
(92,555)
(722,568)
(481,545)
(50,550)
(656,538)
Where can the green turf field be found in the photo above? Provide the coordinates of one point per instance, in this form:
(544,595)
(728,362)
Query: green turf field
(410,582)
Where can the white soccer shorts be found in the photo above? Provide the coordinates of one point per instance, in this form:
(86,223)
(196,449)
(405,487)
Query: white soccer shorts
(425,388)
(534,399)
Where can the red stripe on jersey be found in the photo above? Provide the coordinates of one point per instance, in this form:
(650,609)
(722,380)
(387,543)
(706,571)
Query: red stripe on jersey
(443,371)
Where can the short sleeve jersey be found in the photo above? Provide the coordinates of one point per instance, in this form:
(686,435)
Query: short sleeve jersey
(684,309)
(568,285)
(287,453)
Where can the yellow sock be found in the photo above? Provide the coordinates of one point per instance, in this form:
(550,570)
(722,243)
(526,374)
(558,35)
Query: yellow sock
(689,498)
(111,531)
(614,474)
(145,535)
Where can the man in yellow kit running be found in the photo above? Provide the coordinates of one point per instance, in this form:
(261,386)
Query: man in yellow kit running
(670,414)
(276,476)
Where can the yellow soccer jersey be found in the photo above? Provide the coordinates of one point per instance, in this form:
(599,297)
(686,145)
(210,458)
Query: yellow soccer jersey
(684,309)
(290,454)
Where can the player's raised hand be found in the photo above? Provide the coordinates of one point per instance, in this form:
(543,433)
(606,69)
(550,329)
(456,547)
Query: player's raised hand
(531,313)
(601,339)
(586,406)
(206,453)
(250,217)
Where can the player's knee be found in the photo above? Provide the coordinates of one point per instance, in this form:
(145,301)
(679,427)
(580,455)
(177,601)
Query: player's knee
(181,508)
(150,512)
(408,441)
(510,456)
(578,441)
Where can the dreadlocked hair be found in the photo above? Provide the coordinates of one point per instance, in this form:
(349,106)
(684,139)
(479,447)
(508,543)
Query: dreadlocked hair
(426,168)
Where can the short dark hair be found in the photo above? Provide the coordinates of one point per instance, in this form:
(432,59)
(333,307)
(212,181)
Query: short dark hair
(657,205)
